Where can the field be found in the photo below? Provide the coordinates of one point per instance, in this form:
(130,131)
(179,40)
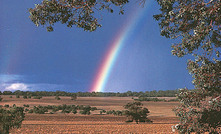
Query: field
(160,113)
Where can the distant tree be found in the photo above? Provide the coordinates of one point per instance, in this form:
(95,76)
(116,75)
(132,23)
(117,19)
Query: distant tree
(85,110)
(1,98)
(197,26)
(102,111)
(25,96)
(37,97)
(10,96)
(57,98)
(74,111)
(17,96)
(74,97)
(11,118)
(135,112)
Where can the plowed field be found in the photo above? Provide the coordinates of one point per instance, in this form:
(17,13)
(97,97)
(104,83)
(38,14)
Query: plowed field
(160,113)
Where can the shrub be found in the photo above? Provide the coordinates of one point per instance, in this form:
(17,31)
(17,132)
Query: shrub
(37,97)
(74,97)
(25,96)
(17,96)
(74,111)
(57,98)
(11,118)
(102,111)
(1,98)
(26,105)
(6,105)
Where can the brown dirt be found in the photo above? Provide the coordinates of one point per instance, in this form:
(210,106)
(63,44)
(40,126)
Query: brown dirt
(160,113)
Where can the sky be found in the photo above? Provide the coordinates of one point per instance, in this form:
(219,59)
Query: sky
(70,59)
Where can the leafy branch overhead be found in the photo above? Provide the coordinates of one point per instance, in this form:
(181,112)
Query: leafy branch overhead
(82,13)
(197,23)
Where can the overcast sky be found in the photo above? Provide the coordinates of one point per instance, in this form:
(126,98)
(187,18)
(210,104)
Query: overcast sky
(68,58)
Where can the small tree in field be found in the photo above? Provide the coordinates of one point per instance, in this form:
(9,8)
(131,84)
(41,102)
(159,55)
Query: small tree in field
(136,112)
(11,118)
(1,98)
(74,97)
(57,98)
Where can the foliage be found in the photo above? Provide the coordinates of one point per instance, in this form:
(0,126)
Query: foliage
(198,25)
(149,99)
(40,109)
(37,97)
(11,118)
(57,98)
(1,98)
(74,97)
(136,112)
(17,96)
(25,96)
(86,110)
(154,93)
(81,13)
(102,111)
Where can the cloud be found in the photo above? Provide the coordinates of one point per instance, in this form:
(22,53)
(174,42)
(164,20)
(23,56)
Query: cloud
(6,78)
(17,86)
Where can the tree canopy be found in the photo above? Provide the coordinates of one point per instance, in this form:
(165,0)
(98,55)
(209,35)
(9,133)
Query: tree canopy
(82,13)
(197,24)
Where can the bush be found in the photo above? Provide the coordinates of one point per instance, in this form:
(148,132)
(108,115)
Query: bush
(11,118)
(25,96)
(74,97)
(102,111)
(10,96)
(17,96)
(40,109)
(31,111)
(149,99)
(6,106)
(26,105)
(1,98)
(57,98)
(74,111)
(86,110)
(37,97)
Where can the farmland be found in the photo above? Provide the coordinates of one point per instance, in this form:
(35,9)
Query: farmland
(160,113)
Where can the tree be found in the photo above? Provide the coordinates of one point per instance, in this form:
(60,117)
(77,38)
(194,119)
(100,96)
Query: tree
(74,97)
(57,98)
(80,13)
(11,118)
(17,96)
(1,98)
(25,96)
(136,112)
(198,25)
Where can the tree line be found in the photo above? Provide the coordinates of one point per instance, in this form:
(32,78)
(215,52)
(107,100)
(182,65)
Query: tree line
(154,93)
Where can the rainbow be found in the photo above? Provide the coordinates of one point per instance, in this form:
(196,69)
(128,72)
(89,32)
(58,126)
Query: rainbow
(105,68)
